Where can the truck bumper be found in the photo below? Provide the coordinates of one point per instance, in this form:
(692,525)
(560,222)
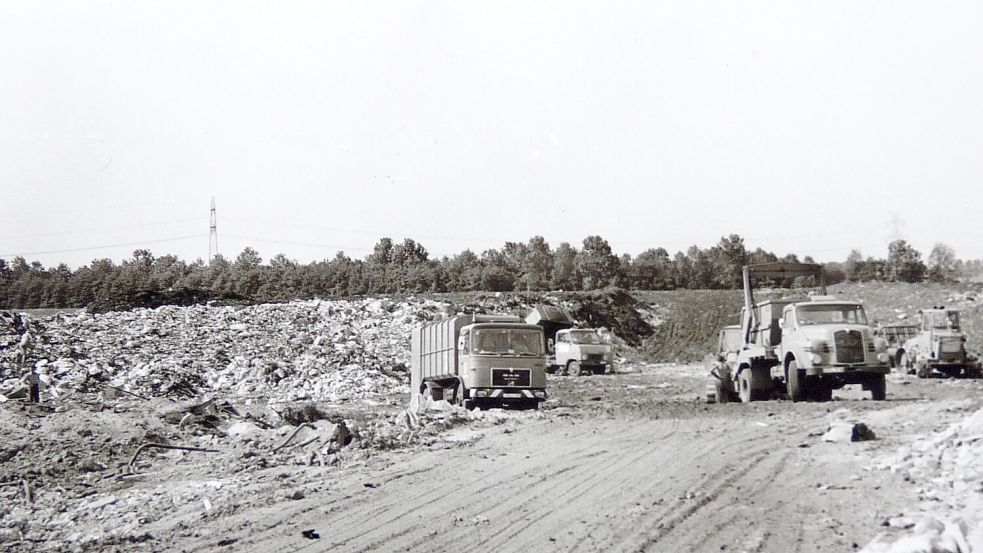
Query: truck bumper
(846,371)
(507,394)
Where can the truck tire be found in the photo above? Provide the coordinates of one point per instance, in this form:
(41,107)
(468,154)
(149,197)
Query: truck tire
(573,368)
(796,382)
(923,369)
(878,388)
(745,382)
(433,391)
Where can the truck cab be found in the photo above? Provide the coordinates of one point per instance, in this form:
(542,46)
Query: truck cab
(578,350)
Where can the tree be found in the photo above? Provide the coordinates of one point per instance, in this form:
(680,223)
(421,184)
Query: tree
(942,263)
(651,270)
(854,266)
(564,275)
(597,265)
(734,257)
(495,274)
(536,265)
(904,263)
(463,272)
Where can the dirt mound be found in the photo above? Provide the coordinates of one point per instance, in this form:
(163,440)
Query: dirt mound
(686,322)
(614,309)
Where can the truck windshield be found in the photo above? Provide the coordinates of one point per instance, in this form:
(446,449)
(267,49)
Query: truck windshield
(830,313)
(584,337)
(508,341)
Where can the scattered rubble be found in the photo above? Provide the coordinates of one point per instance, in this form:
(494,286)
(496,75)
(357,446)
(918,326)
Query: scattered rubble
(842,431)
(946,471)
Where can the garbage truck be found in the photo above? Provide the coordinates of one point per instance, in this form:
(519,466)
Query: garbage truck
(479,360)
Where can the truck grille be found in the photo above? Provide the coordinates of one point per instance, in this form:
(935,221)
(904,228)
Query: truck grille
(510,377)
(849,346)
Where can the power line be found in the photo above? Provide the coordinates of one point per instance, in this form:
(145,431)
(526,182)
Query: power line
(79,231)
(106,246)
(291,243)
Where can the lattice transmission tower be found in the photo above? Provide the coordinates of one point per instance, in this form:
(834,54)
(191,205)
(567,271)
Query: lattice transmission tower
(895,223)
(212,234)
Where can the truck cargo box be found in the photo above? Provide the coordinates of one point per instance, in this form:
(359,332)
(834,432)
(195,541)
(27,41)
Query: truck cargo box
(551,318)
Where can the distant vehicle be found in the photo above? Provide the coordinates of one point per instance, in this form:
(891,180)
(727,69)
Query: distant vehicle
(896,334)
(805,347)
(580,350)
(479,360)
(722,364)
(939,345)
(571,351)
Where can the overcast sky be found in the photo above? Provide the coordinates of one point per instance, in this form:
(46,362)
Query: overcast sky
(805,127)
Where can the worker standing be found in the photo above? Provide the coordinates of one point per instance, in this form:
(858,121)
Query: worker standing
(33,382)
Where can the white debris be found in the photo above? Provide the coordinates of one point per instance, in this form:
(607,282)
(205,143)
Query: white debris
(947,468)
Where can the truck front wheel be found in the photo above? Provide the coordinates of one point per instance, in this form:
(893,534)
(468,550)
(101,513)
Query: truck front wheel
(796,382)
(573,368)
(745,385)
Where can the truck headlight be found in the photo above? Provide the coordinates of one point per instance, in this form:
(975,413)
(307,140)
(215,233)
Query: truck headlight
(816,359)
(882,357)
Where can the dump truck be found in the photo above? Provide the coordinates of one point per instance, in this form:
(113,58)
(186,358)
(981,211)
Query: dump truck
(938,345)
(721,365)
(571,351)
(806,347)
(479,360)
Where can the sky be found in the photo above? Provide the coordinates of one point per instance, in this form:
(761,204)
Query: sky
(805,127)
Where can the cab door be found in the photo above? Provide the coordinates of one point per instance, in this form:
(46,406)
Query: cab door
(563,349)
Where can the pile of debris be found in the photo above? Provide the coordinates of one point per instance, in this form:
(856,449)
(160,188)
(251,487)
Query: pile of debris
(946,470)
(322,350)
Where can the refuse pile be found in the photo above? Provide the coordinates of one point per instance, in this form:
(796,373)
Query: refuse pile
(320,350)
(949,479)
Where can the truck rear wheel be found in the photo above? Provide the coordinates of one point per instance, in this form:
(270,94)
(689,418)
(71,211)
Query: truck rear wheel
(796,382)
(878,388)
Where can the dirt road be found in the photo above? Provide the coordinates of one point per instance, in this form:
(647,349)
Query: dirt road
(627,462)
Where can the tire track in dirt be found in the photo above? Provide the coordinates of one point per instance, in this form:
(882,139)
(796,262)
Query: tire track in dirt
(531,484)
(564,489)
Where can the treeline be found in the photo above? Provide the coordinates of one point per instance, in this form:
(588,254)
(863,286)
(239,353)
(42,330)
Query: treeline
(407,268)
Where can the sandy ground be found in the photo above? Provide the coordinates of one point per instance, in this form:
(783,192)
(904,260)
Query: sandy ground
(634,461)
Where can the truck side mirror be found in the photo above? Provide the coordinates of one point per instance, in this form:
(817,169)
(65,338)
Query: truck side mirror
(781,323)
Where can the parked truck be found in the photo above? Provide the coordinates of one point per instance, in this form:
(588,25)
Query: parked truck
(938,345)
(806,347)
(571,351)
(479,360)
